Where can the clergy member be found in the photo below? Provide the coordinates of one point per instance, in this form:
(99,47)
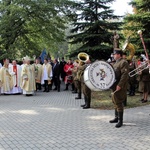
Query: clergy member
(38,73)
(46,75)
(6,78)
(15,71)
(28,78)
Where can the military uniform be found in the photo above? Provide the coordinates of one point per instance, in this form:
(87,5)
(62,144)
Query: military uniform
(145,77)
(85,90)
(74,74)
(121,72)
(121,69)
(132,80)
(79,74)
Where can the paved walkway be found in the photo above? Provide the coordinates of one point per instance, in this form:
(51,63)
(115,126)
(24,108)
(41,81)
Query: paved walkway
(55,121)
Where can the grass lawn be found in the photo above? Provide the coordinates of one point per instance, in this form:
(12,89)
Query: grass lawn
(102,100)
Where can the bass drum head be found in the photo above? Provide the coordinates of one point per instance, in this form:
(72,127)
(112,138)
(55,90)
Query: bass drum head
(99,76)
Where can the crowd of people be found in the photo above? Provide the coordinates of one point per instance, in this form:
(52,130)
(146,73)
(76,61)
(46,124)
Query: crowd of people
(29,76)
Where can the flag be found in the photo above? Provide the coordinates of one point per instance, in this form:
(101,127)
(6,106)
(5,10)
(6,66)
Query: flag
(43,55)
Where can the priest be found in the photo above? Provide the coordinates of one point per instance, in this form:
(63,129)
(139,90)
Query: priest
(28,78)
(15,71)
(6,81)
(38,73)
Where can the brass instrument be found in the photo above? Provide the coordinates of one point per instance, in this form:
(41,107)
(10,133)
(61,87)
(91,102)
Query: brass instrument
(82,58)
(138,70)
(146,65)
(128,46)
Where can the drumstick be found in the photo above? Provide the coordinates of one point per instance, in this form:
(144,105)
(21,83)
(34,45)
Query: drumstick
(114,92)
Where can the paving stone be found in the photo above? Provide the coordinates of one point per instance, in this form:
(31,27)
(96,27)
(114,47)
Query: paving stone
(55,121)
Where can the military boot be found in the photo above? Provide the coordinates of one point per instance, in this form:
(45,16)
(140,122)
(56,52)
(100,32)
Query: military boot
(75,91)
(87,102)
(66,89)
(120,120)
(125,102)
(73,88)
(79,96)
(115,120)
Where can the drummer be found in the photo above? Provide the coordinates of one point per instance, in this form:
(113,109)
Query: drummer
(119,88)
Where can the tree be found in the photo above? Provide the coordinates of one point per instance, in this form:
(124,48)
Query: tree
(28,26)
(139,20)
(94,23)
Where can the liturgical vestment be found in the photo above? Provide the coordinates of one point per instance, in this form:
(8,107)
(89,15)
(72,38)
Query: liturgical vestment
(28,79)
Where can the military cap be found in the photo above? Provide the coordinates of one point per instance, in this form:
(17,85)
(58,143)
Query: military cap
(118,51)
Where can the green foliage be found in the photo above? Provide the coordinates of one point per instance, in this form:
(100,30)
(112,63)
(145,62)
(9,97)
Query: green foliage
(140,20)
(93,26)
(28,26)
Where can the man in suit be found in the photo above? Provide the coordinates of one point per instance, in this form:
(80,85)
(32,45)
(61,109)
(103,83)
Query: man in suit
(62,72)
(56,75)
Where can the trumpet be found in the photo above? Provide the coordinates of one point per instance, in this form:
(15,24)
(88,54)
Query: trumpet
(139,69)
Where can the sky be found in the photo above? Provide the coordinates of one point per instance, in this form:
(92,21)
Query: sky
(121,7)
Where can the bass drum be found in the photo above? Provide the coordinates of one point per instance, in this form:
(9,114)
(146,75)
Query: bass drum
(99,76)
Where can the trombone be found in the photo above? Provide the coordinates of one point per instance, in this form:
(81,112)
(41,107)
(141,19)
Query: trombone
(139,69)
(146,65)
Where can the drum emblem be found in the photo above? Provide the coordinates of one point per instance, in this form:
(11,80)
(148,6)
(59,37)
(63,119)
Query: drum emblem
(99,76)
(102,74)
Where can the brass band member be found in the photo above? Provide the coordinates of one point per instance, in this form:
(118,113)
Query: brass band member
(132,80)
(74,74)
(145,77)
(119,88)
(78,80)
(85,90)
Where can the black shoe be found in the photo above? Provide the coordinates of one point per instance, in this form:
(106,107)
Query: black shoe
(132,94)
(65,89)
(115,120)
(54,89)
(86,107)
(141,99)
(77,97)
(129,94)
(144,101)
(44,91)
(83,105)
(29,94)
(47,91)
(74,92)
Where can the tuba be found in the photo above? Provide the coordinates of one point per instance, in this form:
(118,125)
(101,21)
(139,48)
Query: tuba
(83,57)
(128,46)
